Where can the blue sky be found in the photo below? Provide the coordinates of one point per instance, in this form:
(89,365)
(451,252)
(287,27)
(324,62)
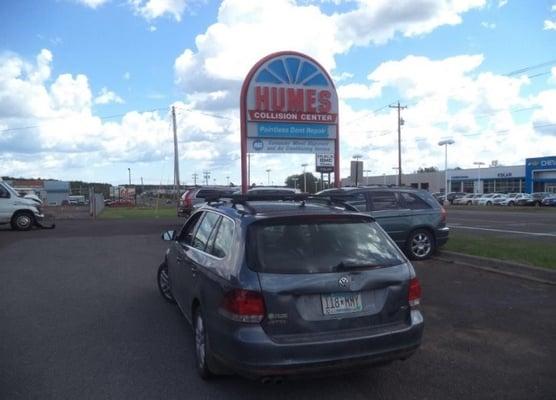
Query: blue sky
(140,55)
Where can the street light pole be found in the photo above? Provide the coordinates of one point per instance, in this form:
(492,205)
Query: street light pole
(129,173)
(268,172)
(479,163)
(304,165)
(366,177)
(357,157)
(446,143)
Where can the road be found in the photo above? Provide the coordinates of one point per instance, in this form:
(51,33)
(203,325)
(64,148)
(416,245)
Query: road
(81,318)
(536,224)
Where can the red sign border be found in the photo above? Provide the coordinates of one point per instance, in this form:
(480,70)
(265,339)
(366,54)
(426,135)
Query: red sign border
(243,115)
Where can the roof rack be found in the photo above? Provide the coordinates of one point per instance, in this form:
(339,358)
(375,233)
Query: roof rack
(244,199)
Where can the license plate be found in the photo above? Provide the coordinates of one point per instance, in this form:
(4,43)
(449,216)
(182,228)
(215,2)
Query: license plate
(340,303)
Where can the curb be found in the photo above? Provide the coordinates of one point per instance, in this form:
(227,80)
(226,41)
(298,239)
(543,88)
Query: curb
(516,270)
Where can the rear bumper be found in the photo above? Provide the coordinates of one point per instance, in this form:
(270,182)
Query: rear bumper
(250,352)
(441,236)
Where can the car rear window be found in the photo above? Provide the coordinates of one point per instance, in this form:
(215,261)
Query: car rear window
(305,246)
(414,202)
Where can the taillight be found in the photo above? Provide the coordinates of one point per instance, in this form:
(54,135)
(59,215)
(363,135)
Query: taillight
(243,306)
(443,215)
(187,201)
(414,295)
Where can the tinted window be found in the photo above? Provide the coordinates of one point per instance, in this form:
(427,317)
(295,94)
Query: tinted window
(4,194)
(318,246)
(359,201)
(413,202)
(384,201)
(205,229)
(186,235)
(223,240)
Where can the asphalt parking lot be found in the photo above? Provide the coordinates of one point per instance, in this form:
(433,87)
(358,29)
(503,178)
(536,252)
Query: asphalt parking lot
(81,317)
(529,223)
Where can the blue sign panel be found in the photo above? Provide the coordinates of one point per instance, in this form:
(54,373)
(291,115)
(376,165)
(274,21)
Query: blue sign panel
(533,165)
(298,131)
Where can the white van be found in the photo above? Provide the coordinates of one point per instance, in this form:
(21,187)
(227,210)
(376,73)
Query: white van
(22,213)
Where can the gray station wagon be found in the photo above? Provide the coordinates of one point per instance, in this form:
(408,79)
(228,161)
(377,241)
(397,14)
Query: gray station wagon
(412,218)
(279,288)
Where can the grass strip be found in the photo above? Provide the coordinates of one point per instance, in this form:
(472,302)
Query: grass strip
(539,254)
(138,212)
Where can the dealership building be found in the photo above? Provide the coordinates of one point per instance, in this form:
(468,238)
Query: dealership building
(537,175)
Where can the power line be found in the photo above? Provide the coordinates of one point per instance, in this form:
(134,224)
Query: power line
(528,68)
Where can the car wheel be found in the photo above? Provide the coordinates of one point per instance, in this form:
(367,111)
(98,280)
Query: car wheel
(511,204)
(420,244)
(538,204)
(469,203)
(202,353)
(23,221)
(489,203)
(163,280)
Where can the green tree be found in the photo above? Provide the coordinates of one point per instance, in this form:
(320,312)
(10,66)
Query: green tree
(427,169)
(297,181)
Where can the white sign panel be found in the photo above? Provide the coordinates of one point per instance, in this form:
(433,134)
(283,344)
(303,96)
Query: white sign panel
(300,146)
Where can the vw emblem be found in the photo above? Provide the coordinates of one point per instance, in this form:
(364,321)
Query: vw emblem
(344,281)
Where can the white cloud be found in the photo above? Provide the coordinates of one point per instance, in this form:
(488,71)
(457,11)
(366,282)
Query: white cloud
(488,25)
(549,25)
(152,9)
(221,59)
(553,8)
(342,77)
(502,3)
(358,91)
(152,28)
(92,3)
(127,76)
(107,96)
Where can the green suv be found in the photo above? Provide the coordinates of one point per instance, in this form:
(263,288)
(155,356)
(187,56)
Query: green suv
(412,218)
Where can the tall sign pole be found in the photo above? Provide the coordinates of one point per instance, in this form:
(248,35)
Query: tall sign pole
(176,157)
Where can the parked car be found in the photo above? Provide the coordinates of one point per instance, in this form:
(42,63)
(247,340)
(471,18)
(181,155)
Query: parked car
(412,217)
(275,289)
(549,201)
(198,195)
(513,198)
(534,199)
(464,200)
(452,196)
(491,199)
(20,212)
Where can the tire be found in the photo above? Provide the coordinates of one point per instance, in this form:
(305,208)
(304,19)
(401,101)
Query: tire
(469,203)
(511,204)
(420,244)
(163,283)
(23,221)
(489,203)
(202,350)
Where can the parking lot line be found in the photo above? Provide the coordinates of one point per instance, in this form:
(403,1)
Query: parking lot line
(457,226)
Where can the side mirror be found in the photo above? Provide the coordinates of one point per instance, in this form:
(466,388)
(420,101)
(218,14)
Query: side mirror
(169,236)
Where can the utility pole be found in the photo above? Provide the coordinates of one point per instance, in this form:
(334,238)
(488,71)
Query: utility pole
(268,180)
(176,157)
(228,180)
(400,123)
(195,175)
(129,172)
(304,165)
(206,175)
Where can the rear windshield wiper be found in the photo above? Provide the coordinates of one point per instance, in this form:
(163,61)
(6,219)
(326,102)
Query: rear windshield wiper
(344,266)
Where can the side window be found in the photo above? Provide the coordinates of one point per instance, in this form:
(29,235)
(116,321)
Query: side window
(208,223)
(186,234)
(4,194)
(359,201)
(414,202)
(384,201)
(223,240)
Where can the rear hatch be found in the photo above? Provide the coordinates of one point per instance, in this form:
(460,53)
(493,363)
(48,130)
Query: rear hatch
(325,277)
